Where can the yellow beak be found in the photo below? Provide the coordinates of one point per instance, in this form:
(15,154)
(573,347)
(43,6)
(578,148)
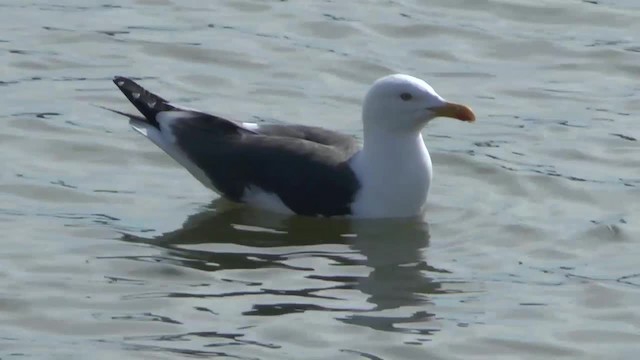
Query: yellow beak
(456,111)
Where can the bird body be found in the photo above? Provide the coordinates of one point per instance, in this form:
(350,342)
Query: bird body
(307,170)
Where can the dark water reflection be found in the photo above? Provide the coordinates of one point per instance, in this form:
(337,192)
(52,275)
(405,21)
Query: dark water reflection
(393,252)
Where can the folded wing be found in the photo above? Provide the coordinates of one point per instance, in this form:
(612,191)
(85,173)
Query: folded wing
(304,167)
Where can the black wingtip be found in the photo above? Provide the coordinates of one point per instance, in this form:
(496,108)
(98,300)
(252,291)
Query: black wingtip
(148,103)
(123,82)
(119,80)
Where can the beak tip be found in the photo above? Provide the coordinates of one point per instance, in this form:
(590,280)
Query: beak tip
(466,114)
(457,111)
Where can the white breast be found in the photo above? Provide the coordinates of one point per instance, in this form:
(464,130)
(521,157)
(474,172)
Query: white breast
(394,180)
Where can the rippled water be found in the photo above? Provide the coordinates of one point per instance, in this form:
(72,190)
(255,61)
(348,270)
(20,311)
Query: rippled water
(531,242)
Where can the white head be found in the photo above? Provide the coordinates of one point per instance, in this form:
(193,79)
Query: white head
(403,103)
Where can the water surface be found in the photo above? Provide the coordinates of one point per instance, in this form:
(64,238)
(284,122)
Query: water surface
(528,250)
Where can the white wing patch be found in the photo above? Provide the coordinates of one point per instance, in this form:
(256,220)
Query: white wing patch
(166,120)
(166,141)
(255,196)
(140,127)
(251,126)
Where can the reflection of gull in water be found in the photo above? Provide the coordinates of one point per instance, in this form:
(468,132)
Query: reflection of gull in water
(394,250)
(391,251)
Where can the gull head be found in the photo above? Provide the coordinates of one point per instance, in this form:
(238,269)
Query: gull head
(403,103)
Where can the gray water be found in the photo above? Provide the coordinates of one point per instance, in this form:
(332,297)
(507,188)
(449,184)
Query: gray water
(530,244)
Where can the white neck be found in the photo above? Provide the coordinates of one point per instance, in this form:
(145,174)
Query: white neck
(394,169)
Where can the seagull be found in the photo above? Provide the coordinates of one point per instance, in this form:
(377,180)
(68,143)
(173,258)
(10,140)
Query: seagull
(307,170)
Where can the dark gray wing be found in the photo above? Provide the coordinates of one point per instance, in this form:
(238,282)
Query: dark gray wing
(310,178)
(305,166)
(342,142)
(151,105)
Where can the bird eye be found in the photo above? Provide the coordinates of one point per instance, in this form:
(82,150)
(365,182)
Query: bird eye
(406,96)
